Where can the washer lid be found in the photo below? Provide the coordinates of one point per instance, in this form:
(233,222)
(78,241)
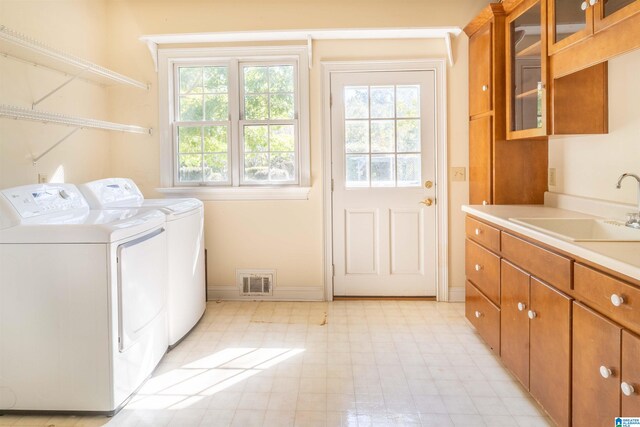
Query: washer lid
(84,226)
(173,208)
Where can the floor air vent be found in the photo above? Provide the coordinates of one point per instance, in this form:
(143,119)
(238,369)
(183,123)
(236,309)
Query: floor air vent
(256,282)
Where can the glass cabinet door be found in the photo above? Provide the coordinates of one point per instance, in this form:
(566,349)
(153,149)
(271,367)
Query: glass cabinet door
(609,12)
(569,22)
(527,73)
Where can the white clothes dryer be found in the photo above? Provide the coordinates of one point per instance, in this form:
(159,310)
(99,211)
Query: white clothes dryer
(186,301)
(82,301)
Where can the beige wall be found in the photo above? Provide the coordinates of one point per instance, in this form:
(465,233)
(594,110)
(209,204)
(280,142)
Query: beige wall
(77,27)
(590,165)
(285,235)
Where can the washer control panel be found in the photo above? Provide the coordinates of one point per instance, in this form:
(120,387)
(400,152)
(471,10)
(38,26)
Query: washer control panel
(42,199)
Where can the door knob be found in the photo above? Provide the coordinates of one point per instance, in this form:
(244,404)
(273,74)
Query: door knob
(521,306)
(605,372)
(627,389)
(427,201)
(584,5)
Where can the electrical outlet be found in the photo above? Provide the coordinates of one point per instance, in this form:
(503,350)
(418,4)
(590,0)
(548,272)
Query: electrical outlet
(42,178)
(458,173)
(552,177)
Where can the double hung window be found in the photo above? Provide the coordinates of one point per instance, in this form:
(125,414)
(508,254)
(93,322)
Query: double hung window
(235,120)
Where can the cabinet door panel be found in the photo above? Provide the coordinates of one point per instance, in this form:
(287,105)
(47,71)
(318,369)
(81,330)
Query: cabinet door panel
(480,71)
(550,351)
(514,323)
(480,160)
(631,373)
(484,316)
(596,343)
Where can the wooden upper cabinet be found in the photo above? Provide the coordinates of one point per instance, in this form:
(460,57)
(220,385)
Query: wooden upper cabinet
(568,21)
(580,39)
(526,62)
(480,87)
(480,161)
(610,12)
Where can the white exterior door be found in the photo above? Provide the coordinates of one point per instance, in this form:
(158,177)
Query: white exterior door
(383,167)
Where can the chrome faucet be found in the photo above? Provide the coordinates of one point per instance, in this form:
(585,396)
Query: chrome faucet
(634,217)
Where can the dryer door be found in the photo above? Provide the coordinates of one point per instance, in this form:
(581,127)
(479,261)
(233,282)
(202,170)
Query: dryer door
(142,281)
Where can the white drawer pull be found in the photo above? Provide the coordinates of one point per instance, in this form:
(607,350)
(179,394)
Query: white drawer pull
(617,300)
(478,231)
(627,389)
(485,88)
(478,314)
(484,202)
(605,372)
(532,314)
(521,306)
(478,267)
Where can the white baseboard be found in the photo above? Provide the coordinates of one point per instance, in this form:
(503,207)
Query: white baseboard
(280,293)
(456,294)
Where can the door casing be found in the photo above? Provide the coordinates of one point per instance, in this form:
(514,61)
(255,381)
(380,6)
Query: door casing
(442,202)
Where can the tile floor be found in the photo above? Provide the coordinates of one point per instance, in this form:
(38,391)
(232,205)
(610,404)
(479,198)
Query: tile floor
(345,363)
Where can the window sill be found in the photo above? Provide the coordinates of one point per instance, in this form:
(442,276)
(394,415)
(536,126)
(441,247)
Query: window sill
(238,193)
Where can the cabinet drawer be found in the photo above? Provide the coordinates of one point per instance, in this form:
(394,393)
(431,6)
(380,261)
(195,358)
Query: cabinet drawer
(541,263)
(483,269)
(601,292)
(482,233)
(484,316)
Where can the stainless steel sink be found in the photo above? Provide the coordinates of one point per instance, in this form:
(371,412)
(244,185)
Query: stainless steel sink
(582,229)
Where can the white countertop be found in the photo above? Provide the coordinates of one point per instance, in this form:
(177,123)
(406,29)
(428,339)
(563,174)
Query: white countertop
(623,257)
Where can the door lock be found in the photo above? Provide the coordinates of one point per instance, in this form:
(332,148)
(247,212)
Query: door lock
(427,202)
(428,184)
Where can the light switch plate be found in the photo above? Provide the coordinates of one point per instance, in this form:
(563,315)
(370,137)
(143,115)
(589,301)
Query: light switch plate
(42,178)
(458,173)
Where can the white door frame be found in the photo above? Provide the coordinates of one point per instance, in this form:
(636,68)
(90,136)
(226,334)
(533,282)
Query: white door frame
(442,199)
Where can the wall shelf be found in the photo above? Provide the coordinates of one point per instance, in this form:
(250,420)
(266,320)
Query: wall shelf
(15,44)
(20,113)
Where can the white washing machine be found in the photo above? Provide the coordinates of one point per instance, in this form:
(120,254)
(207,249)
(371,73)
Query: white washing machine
(82,301)
(185,241)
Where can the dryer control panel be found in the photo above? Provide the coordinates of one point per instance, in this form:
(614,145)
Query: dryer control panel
(43,199)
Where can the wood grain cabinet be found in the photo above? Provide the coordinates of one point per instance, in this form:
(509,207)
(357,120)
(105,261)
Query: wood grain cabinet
(571,21)
(535,339)
(585,33)
(606,369)
(568,331)
(500,171)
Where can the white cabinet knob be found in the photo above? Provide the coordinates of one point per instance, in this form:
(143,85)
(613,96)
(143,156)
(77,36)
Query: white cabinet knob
(605,372)
(532,314)
(484,202)
(478,267)
(592,2)
(617,300)
(627,389)
(478,231)
(485,88)
(521,306)
(584,5)
(478,314)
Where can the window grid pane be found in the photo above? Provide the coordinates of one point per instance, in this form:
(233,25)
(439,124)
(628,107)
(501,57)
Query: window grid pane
(269,143)
(203,153)
(382,136)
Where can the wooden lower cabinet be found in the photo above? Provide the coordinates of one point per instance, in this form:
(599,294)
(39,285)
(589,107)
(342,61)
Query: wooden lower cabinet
(535,339)
(605,356)
(484,315)
(514,323)
(550,351)
(630,374)
(596,343)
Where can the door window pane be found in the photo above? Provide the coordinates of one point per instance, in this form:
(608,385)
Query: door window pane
(356,102)
(380,122)
(382,170)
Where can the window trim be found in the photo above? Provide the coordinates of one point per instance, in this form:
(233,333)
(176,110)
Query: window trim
(167,60)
